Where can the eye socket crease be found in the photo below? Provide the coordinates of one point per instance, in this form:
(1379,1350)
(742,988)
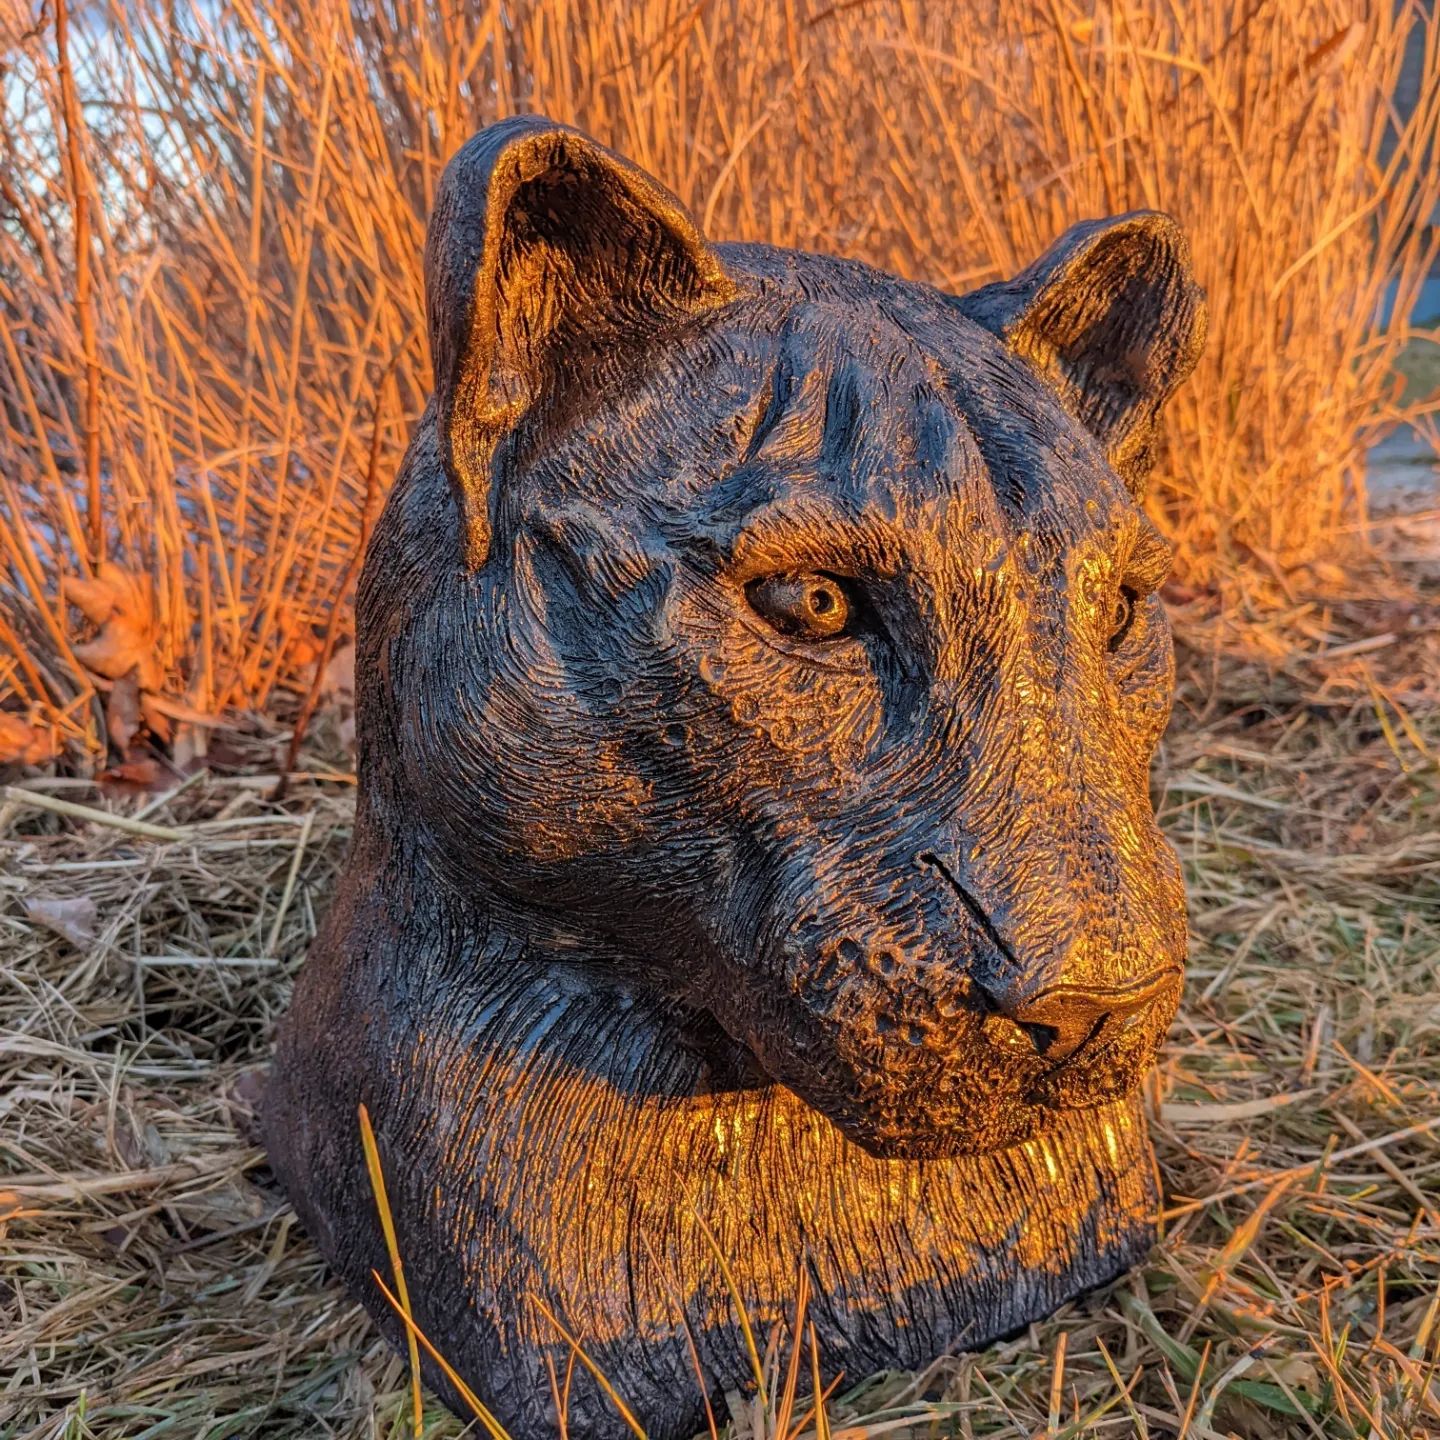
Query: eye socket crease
(1122,617)
(1145,570)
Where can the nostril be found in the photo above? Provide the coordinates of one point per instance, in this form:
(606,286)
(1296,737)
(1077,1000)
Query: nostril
(1042,1037)
(989,1005)
(1010,1032)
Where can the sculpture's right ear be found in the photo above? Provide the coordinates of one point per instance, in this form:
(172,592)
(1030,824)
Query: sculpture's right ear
(543,247)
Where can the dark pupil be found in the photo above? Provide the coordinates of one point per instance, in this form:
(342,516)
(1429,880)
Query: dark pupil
(821,601)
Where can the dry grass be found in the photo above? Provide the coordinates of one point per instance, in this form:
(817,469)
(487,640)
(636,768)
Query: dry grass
(150,1284)
(210,294)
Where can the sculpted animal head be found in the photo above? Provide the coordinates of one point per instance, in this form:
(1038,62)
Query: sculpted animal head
(784,637)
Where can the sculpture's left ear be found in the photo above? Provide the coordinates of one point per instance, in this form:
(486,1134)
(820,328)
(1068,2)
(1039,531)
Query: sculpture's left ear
(1112,319)
(545,252)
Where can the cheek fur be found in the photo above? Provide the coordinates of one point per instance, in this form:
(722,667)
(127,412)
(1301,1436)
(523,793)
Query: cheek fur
(783,715)
(1145,680)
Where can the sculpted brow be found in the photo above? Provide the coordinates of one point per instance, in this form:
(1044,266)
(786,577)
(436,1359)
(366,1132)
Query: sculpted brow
(813,539)
(1150,559)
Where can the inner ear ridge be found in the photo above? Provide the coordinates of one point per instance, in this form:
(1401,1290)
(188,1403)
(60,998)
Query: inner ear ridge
(1132,283)
(656,262)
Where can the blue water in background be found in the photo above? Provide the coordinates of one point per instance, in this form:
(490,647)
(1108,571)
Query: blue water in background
(1427,304)
(1400,461)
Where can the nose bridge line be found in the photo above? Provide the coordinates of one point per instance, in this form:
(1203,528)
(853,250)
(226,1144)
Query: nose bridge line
(977,911)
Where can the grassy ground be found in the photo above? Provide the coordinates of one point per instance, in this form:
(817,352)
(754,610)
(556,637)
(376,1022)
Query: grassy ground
(151,1284)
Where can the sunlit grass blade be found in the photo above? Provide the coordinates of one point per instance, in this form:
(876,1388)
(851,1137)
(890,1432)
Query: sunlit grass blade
(599,1376)
(477,1407)
(786,1410)
(677,1299)
(820,1396)
(757,1366)
(397,1268)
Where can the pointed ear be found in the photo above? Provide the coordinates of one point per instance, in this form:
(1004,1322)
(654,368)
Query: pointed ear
(1112,320)
(544,248)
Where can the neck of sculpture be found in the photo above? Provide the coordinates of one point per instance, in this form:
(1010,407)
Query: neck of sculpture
(564,1132)
(474,940)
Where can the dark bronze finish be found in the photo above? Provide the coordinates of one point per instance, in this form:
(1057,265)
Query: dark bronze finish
(759,664)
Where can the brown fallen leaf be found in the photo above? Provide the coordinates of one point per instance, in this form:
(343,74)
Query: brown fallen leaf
(146,775)
(139,1143)
(72,919)
(122,711)
(297,638)
(157,722)
(337,693)
(12,1207)
(231,1203)
(190,747)
(120,604)
(338,681)
(95,597)
(22,743)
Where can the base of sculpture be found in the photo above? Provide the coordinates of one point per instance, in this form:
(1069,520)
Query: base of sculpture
(553,1141)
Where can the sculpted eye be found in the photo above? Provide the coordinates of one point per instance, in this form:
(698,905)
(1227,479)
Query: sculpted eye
(1122,617)
(808,607)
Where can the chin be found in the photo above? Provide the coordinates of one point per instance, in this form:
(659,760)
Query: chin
(949,1139)
(1111,1077)
(1011,1122)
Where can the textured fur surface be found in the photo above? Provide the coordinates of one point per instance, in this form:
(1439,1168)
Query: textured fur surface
(759,664)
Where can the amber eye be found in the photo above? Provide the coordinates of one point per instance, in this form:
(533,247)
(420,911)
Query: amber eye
(1122,617)
(808,607)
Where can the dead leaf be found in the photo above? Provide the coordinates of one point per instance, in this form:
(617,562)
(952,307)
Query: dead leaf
(22,743)
(1299,1373)
(146,775)
(337,692)
(225,755)
(229,1204)
(338,681)
(72,919)
(95,598)
(178,710)
(120,604)
(122,711)
(297,638)
(12,1207)
(139,1142)
(192,744)
(157,722)
(246,1097)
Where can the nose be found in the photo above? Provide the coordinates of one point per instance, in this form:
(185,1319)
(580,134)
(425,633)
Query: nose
(1060,1020)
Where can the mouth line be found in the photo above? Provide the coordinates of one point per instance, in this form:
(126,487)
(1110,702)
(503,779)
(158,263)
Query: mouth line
(1107,1051)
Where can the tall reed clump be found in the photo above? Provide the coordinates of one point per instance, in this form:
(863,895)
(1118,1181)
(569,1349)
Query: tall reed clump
(211,309)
